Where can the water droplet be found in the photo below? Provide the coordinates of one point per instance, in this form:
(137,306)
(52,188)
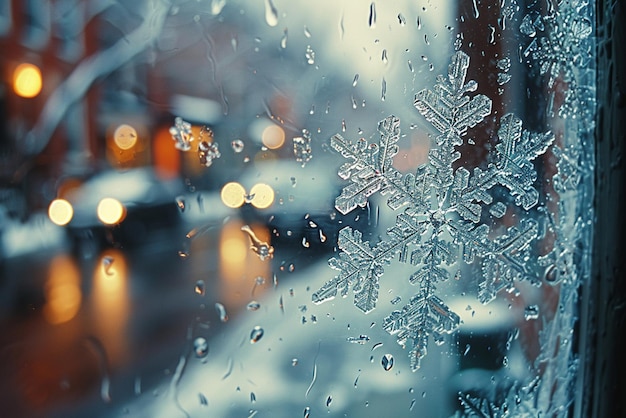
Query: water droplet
(221,312)
(467,349)
(355,80)
(217,6)
(322,236)
(305,243)
(401,19)
(307,412)
(383,89)
(307,32)
(271,14)
(492,34)
(283,40)
(199,288)
(294,361)
(260,248)
(253,306)
(203,400)
(107,261)
(361,339)
(551,274)
(410,66)
(375,346)
(387,362)
(383,57)
(412,404)
(256,334)
(372,17)
(237,145)
(396,300)
(310,55)
(531,312)
(180,202)
(419,23)
(183,254)
(200,347)
(252,397)
(329,400)
(476,12)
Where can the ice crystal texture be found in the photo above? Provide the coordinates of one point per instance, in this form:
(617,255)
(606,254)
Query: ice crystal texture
(302,148)
(207,152)
(440,221)
(181,134)
(562,49)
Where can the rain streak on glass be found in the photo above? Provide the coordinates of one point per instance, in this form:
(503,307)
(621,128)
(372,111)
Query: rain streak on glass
(256,334)
(221,312)
(387,362)
(372,19)
(271,14)
(261,248)
(200,347)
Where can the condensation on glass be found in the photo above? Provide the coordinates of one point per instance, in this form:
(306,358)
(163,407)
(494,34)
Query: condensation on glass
(279,208)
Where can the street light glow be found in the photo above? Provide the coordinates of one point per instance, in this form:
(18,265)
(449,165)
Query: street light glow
(27,80)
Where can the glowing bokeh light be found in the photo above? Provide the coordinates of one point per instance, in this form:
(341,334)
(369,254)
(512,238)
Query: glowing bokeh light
(273,137)
(110,211)
(233,194)
(62,290)
(262,195)
(27,81)
(60,211)
(125,136)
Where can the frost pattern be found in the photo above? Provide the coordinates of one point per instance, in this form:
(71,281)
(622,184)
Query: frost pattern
(562,49)
(440,222)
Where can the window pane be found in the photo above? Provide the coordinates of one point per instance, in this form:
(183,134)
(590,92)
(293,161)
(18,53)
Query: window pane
(230,208)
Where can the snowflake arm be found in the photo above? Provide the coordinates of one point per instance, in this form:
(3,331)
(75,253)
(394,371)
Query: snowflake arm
(425,314)
(516,151)
(448,108)
(507,260)
(369,168)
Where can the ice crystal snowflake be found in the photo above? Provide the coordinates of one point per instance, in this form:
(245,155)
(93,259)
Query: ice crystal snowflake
(440,220)
(561,48)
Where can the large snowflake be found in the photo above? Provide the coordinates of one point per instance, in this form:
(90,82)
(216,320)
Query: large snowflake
(439,224)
